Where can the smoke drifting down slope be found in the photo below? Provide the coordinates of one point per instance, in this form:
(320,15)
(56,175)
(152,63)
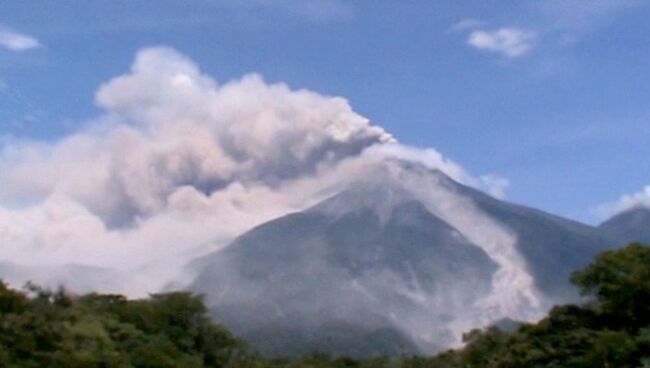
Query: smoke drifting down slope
(178,166)
(399,248)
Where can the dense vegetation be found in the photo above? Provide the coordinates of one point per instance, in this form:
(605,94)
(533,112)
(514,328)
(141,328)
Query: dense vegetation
(40,328)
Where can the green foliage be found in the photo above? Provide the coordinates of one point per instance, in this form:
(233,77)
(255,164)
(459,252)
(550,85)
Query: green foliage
(620,281)
(11,301)
(40,328)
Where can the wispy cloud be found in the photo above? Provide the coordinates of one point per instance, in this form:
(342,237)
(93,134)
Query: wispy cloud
(572,20)
(585,14)
(465,24)
(510,42)
(15,41)
(317,11)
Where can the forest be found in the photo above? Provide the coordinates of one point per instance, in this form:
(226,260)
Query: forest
(45,328)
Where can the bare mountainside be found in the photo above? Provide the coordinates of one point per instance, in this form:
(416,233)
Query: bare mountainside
(403,260)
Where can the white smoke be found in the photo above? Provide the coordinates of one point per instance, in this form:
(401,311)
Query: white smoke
(170,126)
(432,159)
(626,202)
(178,166)
(513,294)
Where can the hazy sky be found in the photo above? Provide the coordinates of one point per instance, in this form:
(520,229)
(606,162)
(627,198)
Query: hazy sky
(552,95)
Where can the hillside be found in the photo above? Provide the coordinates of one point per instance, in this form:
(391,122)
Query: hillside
(403,256)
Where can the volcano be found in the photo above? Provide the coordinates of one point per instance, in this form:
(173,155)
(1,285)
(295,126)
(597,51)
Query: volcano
(401,260)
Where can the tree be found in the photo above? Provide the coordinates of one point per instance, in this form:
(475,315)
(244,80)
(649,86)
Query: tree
(620,281)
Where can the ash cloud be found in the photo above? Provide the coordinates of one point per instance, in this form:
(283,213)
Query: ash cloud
(169,126)
(177,166)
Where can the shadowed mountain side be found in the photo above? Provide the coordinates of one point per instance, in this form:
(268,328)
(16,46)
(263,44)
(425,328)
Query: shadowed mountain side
(291,337)
(312,269)
(630,226)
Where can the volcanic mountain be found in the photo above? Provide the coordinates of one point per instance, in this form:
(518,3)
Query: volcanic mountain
(629,226)
(402,260)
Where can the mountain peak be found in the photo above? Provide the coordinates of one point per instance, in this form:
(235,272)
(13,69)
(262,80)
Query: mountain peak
(383,186)
(632,225)
(638,211)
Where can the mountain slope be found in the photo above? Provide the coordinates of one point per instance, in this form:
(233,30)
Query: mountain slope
(629,226)
(404,251)
(308,271)
(553,247)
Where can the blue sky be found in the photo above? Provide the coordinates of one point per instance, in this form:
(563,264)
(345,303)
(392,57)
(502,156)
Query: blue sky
(552,95)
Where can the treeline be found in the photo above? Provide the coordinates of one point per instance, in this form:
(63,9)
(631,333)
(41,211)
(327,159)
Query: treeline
(41,328)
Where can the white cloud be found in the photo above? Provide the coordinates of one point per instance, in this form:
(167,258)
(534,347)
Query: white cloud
(178,166)
(564,22)
(511,42)
(15,41)
(625,202)
(465,24)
